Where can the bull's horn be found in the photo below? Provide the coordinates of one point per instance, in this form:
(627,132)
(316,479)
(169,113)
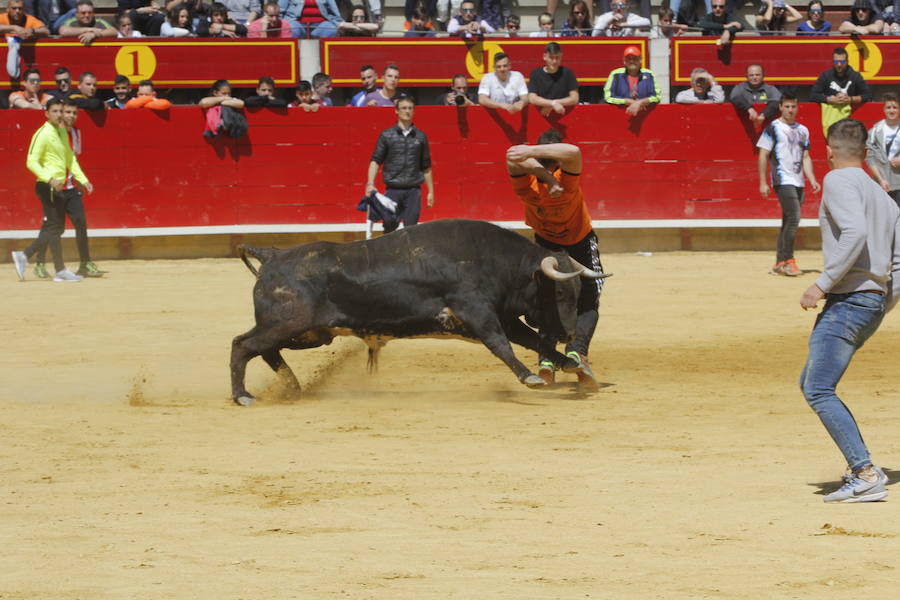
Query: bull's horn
(585,272)
(548,268)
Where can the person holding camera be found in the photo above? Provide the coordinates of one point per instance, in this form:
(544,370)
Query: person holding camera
(459,92)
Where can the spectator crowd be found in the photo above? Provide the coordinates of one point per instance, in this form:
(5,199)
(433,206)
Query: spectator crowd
(552,87)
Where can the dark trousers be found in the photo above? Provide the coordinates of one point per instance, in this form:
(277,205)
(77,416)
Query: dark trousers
(587,253)
(409,205)
(790,197)
(74,208)
(53,226)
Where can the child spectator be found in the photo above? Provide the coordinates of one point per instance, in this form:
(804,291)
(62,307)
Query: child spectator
(217,24)
(265,95)
(666,26)
(146,16)
(546,24)
(178,22)
(815,24)
(304,95)
(125,27)
(419,25)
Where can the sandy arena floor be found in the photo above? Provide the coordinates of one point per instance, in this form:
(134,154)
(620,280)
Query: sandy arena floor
(696,472)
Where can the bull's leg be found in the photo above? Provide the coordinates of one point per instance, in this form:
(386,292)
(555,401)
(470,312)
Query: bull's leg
(245,347)
(485,324)
(274,359)
(521,334)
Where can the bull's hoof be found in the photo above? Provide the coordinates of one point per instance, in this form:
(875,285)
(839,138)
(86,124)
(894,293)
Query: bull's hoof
(533,381)
(245,400)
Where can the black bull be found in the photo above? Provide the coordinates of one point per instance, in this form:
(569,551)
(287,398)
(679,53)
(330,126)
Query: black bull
(457,278)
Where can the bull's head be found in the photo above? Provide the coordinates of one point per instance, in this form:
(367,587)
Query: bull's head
(557,295)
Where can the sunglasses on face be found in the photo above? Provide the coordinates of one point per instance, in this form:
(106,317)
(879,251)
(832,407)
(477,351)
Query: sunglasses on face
(512,25)
(64,80)
(33,80)
(467,10)
(715,6)
(815,11)
(617,4)
(839,61)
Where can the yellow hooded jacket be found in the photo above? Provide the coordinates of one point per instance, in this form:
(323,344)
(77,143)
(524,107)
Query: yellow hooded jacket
(50,156)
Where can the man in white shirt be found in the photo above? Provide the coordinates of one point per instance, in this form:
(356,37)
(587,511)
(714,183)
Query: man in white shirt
(787,143)
(619,22)
(504,88)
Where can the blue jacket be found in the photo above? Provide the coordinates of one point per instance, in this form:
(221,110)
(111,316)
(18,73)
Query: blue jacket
(616,89)
(292,9)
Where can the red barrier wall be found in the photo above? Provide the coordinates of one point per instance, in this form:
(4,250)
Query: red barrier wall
(156,170)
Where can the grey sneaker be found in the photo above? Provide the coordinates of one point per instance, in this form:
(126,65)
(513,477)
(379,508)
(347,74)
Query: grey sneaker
(66,275)
(857,489)
(585,374)
(20,262)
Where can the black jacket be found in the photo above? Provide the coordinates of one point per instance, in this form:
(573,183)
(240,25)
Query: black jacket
(405,157)
(829,84)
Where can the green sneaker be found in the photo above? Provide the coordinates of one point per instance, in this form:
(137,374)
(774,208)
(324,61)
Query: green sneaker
(546,371)
(89,269)
(40,271)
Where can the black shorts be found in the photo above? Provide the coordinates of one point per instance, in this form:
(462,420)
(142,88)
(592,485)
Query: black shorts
(587,253)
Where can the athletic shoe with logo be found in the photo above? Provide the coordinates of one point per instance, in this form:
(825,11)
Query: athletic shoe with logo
(778,269)
(89,269)
(66,276)
(582,369)
(40,271)
(20,262)
(546,371)
(791,269)
(857,489)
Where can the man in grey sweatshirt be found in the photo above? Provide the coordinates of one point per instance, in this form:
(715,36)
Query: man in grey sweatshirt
(860,282)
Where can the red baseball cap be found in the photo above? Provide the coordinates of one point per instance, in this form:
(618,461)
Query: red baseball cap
(631,51)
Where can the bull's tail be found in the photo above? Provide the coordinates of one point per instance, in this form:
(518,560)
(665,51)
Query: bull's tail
(260,254)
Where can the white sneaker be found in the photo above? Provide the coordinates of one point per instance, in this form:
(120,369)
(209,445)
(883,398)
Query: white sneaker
(66,275)
(20,262)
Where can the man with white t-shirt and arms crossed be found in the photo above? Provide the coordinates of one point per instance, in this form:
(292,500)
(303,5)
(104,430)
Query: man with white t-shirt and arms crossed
(503,89)
(786,142)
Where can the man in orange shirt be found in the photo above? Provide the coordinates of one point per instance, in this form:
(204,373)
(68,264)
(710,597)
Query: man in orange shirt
(31,96)
(546,177)
(18,27)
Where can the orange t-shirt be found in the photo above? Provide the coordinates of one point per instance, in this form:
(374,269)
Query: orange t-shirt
(44,99)
(30,21)
(562,220)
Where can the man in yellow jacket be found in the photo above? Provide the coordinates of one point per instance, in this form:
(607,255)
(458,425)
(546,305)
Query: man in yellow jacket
(52,161)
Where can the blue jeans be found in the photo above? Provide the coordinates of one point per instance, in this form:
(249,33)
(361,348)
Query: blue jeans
(319,30)
(842,327)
